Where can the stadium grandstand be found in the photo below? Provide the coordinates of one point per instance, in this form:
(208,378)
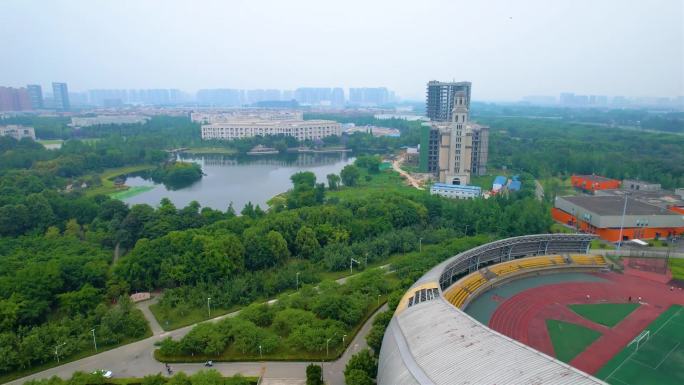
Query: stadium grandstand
(430,340)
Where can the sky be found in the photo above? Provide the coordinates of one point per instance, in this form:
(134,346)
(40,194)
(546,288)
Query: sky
(508,49)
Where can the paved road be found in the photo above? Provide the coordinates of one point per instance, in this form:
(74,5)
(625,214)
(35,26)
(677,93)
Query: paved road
(538,190)
(144,306)
(137,360)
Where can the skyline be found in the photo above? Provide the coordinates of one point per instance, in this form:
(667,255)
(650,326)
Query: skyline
(508,50)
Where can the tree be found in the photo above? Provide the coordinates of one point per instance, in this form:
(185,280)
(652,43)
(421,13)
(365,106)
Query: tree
(277,246)
(305,178)
(207,377)
(153,379)
(306,243)
(314,375)
(333,181)
(350,175)
(357,377)
(364,362)
(369,162)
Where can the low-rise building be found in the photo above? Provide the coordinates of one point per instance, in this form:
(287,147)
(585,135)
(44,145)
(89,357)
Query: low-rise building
(18,132)
(300,129)
(456,191)
(640,185)
(609,215)
(591,183)
(221,116)
(499,182)
(108,119)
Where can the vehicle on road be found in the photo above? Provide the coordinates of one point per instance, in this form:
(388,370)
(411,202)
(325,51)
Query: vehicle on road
(104,373)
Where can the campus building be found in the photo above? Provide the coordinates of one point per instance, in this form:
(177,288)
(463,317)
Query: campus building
(18,132)
(456,191)
(592,183)
(603,215)
(108,119)
(244,128)
(221,116)
(452,150)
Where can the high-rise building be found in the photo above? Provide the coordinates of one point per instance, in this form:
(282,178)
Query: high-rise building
(338,97)
(441,96)
(14,99)
(314,96)
(369,96)
(35,93)
(220,97)
(457,149)
(60,93)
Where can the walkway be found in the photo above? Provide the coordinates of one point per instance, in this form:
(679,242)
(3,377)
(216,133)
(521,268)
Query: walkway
(396,165)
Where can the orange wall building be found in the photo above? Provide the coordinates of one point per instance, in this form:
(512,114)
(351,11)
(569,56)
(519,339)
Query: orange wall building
(602,215)
(591,183)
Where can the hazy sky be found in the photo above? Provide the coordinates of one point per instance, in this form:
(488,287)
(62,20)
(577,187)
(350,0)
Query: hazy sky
(507,48)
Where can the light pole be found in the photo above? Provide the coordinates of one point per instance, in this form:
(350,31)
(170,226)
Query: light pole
(94,341)
(260,353)
(327,353)
(622,223)
(209,306)
(343,337)
(351,265)
(378,299)
(57,350)
(297,281)
(420,245)
(466,231)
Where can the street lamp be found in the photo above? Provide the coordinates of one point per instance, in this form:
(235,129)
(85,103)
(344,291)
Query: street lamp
(351,265)
(297,281)
(343,337)
(326,347)
(622,223)
(378,299)
(466,231)
(94,341)
(420,245)
(57,350)
(209,306)
(260,352)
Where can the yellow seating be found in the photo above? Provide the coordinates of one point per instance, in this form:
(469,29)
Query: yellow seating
(588,259)
(458,294)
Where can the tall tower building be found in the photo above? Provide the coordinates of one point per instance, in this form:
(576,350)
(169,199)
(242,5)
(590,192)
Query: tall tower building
(440,99)
(61,96)
(35,93)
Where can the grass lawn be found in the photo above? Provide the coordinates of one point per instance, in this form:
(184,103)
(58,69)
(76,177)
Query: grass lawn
(386,182)
(484,181)
(558,228)
(130,192)
(569,339)
(599,244)
(137,381)
(63,360)
(172,319)
(107,177)
(607,314)
(658,359)
(677,268)
(211,150)
(50,141)
(557,186)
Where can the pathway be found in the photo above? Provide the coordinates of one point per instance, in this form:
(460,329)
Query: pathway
(396,165)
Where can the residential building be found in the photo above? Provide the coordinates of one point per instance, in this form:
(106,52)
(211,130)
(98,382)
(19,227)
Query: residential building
(108,119)
(60,93)
(221,116)
(608,216)
(220,97)
(441,97)
(14,99)
(369,96)
(314,96)
(455,191)
(247,128)
(35,93)
(18,132)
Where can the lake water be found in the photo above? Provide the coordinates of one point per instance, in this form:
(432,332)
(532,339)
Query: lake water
(240,179)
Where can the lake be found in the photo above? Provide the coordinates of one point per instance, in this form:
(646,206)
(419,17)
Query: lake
(239,179)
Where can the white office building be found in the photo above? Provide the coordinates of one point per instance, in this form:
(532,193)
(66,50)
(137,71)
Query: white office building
(18,132)
(300,129)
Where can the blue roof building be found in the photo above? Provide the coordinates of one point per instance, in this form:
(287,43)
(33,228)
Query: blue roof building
(514,185)
(456,191)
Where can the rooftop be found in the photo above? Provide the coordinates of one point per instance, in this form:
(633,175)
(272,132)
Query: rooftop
(660,198)
(614,204)
(461,187)
(595,178)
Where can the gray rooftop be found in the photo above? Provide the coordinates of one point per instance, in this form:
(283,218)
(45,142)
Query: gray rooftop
(614,204)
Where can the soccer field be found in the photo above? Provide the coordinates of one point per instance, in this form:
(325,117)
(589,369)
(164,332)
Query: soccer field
(659,359)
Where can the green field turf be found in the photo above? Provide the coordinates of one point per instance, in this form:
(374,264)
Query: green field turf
(658,360)
(608,314)
(569,339)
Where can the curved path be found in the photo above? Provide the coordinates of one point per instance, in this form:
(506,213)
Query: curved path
(137,360)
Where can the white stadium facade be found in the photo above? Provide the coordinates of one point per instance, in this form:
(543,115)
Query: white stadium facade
(431,340)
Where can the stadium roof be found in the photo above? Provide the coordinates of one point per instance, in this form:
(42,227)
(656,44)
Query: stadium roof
(613,205)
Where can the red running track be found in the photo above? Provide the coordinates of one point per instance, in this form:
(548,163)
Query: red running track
(523,316)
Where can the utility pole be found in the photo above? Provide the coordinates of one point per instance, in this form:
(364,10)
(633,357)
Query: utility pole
(94,341)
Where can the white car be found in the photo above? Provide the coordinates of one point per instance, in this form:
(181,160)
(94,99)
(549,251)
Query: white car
(104,373)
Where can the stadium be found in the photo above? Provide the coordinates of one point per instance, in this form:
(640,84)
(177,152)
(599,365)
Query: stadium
(536,309)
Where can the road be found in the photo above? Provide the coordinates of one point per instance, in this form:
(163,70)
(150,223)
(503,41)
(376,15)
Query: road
(396,165)
(538,190)
(137,359)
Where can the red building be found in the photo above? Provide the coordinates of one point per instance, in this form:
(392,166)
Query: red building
(591,183)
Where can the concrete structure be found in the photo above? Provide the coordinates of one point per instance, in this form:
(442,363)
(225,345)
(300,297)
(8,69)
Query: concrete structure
(603,215)
(431,341)
(108,119)
(18,132)
(591,183)
(60,94)
(35,94)
(441,97)
(300,129)
(14,99)
(456,191)
(640,185)
(665,199)
(456,149)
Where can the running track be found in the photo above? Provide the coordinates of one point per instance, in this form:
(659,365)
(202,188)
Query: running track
(523,316)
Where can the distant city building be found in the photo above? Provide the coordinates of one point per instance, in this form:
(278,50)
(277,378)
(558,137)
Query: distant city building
(541,100)
(60,94)
(14,99)
(456,149)
(108,119)
(35,93)
(369,96)
(300,129)
(18,132)
(314,96)
(456,191)
(208,117)
(337,97)
(441,97)
(220,97)
(410,118)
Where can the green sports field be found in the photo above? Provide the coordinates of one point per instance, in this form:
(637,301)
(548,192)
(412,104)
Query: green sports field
(607,314)
(569,339)
(658,360)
